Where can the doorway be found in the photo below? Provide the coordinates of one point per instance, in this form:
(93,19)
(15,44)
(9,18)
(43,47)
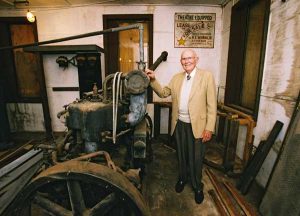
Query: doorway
(247,43)
(122,48)
(22,76)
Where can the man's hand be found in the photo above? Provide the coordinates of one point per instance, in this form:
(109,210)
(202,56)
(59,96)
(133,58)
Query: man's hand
(206,135)
(150,74)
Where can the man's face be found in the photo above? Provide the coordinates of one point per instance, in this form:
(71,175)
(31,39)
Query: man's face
(188,61)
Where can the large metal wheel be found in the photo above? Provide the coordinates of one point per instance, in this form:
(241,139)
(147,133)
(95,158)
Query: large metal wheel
(79,188)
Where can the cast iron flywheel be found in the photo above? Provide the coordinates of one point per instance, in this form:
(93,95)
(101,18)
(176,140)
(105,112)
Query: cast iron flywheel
(79,188)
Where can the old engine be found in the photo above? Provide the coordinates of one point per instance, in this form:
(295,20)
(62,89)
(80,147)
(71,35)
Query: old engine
(79,176)
(104,117)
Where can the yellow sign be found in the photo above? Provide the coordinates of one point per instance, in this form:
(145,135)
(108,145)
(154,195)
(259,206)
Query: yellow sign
(194,30)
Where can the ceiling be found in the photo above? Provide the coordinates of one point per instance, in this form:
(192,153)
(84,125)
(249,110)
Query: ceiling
(21,4)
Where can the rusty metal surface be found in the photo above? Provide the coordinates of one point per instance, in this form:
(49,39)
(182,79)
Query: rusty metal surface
(137,82)
(74,172)
(91,118)
(109,161)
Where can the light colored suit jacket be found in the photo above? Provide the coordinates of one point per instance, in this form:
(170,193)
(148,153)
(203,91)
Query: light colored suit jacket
(202,100)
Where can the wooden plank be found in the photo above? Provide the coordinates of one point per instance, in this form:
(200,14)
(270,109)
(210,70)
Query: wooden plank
(253,168)
(14,176)
(65,88)
(26,64)
(222,194)
(220,206)
(64,49)
(247,209)
(230,143)
(11,154)
(16,168)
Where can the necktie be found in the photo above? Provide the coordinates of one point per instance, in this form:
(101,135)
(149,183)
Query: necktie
(188,77)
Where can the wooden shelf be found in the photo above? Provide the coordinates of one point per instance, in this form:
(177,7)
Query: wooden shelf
(64,49)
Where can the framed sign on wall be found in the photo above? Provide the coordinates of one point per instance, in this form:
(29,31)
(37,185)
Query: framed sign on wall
(195,30)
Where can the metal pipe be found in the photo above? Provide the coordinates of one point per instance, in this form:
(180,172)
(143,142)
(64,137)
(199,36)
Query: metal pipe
(117,29)
(163,57)
(141,63)
(229,109)
(106,155)
(119,134)
(109,77)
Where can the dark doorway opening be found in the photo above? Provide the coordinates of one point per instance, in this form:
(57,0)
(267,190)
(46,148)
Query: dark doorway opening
(22,73)
(121,51)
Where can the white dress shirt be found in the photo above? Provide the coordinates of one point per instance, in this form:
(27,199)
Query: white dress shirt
(186,87)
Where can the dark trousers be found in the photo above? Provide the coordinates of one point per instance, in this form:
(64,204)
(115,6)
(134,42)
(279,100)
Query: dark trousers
(190,153)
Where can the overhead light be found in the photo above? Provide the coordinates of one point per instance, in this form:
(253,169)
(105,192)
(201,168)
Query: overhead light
(30,16)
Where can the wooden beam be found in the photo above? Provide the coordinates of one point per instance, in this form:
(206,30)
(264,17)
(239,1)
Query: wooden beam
(11,155)
(8,2)
(220,206)
(227,202)
(247,209)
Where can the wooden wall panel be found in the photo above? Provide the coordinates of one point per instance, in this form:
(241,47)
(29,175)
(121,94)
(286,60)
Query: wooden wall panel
(26,64)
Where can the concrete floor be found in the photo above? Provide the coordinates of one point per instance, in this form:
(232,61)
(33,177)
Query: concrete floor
(161,177)
(159,192)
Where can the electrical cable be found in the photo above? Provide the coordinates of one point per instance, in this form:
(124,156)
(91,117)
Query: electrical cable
(113,104)
(115,93)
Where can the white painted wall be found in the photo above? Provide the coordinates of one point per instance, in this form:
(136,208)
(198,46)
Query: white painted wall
(58,77)
(281,79)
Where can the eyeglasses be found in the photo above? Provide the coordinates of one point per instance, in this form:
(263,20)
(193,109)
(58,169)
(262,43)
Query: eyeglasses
(187,59)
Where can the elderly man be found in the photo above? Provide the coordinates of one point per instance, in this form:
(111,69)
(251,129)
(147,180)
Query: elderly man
(194,111)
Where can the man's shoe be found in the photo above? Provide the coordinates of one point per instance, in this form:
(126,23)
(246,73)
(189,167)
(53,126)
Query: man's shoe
(179,186)
(199,196)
